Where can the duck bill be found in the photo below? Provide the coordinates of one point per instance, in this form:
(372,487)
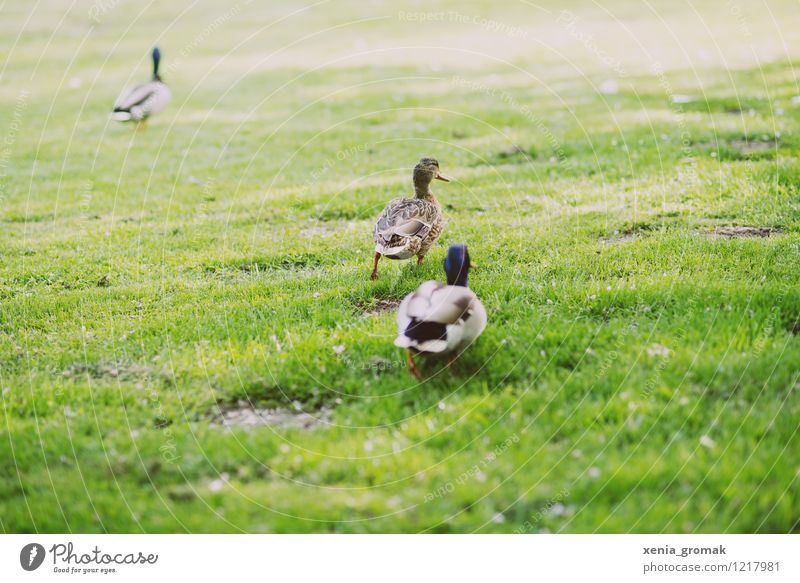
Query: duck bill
(442,177)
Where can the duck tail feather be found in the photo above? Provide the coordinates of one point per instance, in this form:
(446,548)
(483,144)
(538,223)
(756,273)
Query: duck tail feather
(432,346)
(426,336)
(402,341)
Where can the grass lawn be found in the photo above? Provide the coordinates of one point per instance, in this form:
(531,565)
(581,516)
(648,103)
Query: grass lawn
(189,339)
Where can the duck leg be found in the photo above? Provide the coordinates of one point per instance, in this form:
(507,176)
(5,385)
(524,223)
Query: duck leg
(374,275)
(420,259)
(451,358)
(412,366)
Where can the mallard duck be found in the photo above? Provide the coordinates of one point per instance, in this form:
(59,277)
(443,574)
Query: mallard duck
(438,318)
(410,226)
(139,102)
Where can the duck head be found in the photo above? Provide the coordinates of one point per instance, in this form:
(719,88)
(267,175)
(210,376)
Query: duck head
(457,265)
(425,172)
(156,61)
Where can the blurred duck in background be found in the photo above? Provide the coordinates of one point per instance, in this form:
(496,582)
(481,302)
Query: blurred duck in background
(139,102)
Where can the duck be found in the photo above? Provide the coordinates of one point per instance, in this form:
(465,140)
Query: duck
(438,318)
(139,102)
(410,226)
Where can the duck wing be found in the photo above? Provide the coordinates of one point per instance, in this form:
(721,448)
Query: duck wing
(404,218)
(141,101)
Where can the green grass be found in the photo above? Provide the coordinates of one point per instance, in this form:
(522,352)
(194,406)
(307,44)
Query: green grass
(638,373)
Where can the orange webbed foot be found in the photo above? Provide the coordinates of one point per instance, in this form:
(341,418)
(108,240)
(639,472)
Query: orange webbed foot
(412,366)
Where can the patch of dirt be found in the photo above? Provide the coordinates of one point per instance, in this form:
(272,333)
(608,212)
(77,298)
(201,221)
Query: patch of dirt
(621,238)
(511,150)
(316,232)
(243,414)
(626,235)
(380,307)
(123,371)
(737,148)
(754,145)
(512,154)
(26,219)
(740,232)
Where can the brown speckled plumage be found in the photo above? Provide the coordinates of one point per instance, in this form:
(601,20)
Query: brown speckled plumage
(409,227)
(405,225)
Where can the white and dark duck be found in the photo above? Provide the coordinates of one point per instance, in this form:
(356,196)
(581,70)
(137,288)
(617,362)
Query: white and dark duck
(410,226)
(140,102)
(438,318)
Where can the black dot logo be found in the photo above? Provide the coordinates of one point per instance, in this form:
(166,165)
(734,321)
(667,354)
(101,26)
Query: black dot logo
(31,556)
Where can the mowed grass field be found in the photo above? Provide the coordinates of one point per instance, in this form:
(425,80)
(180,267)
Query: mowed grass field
(189,339)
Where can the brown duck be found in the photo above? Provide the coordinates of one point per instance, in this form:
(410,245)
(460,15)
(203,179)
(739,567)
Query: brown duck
(410,226)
